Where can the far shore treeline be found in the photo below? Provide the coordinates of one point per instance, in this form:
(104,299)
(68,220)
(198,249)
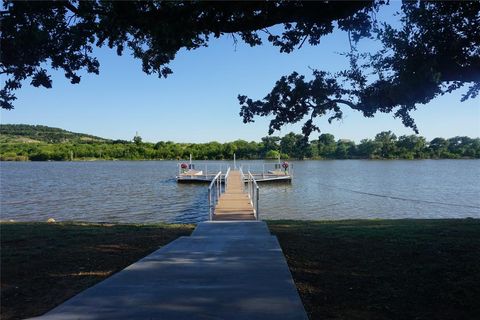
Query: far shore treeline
(41,143)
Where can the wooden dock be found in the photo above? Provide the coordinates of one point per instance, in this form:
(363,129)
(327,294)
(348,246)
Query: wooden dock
(235,203)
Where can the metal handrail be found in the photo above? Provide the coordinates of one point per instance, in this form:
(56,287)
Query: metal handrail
(206,173)
(225,180)
(241,173)
(205,167)
(214,195)
(253,193)
(264,168)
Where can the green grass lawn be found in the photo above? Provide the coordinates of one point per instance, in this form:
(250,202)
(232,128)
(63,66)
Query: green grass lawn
(357,269)
(44,264)
(384,269)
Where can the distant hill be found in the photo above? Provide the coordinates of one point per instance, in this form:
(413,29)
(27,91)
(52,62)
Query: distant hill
(35,134)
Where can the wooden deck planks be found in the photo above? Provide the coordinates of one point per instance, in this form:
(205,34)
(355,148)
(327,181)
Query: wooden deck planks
(234,204)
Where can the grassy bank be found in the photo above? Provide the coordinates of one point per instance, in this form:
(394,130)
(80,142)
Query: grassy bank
(385,269)
(44,264)
(357,269)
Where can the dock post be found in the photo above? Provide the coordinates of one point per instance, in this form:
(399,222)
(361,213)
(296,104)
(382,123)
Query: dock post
(256,204)
(209,204)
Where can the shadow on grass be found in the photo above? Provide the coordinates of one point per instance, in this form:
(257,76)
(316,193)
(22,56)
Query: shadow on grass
(384,269)
(44,264)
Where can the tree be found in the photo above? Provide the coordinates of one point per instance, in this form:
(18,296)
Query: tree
(272,154)
(438,147)
(294,145)
(270,144)
(345,149)
(473,149)
(326,146)
(137,139)
(433,52)
(387,141)
(411,147)
(64,33)
(369,149)
(228,150)
(462,146)
(436,51)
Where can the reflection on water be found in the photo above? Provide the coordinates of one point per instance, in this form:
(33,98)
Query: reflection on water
(146,191)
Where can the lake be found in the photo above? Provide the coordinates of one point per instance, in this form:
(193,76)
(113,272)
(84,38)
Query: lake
(146,191)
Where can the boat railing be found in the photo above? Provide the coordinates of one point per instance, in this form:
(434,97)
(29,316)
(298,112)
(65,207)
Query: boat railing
(214,192)
(253,193)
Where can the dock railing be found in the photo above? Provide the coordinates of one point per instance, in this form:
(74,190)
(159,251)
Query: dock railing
(264,170)
(253,193)
(208,169)
(214,192)
(216,166)
(225,179)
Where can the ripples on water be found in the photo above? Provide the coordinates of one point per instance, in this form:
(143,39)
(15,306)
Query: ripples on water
(146,191)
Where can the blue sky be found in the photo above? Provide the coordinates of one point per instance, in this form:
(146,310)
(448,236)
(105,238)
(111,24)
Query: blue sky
(198,103)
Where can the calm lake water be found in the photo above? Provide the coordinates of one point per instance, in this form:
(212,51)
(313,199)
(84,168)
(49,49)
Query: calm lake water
(146,191)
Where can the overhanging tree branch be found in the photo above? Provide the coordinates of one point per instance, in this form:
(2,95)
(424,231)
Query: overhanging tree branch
(437,43)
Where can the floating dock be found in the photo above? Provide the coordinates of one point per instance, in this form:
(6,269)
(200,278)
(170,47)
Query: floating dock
(269,172)
(205,178)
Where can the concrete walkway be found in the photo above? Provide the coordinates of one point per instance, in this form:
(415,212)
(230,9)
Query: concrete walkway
(224,270)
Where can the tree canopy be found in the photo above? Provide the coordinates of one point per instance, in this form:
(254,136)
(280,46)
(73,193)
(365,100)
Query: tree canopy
(434,50)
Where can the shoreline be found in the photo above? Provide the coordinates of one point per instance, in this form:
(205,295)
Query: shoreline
(221,160)
(268,221)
